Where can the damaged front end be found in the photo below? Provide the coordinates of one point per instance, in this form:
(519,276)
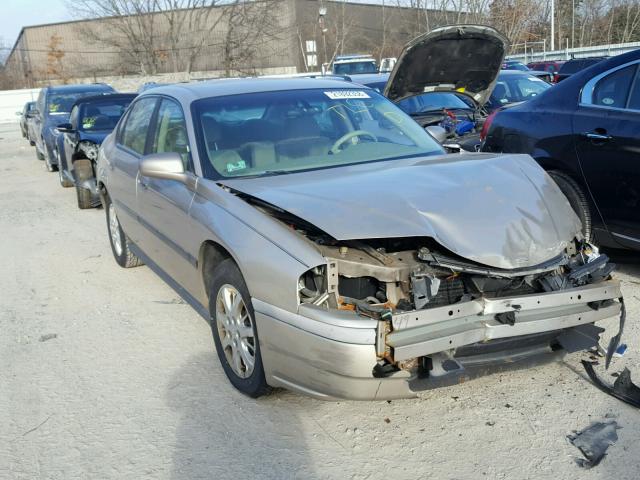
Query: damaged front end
(440,316)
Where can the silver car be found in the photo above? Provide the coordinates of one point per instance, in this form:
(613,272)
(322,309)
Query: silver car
(336,249)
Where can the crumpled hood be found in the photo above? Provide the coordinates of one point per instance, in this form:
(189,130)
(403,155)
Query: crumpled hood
(464,58)
(501,211)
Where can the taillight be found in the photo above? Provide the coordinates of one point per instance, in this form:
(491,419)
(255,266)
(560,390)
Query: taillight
(487,125)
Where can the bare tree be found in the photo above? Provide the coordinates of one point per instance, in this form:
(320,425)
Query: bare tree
(150,33)
(55,67)
(252,28)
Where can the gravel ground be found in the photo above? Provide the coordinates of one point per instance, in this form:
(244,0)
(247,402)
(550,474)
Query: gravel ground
(106,373)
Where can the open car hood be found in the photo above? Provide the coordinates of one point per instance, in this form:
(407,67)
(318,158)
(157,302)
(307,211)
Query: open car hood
(464,58)
(501,211)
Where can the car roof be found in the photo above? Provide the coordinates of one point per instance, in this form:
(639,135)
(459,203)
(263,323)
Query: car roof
(79,87)
(364,78)
(514,73)
(238,86)
(102,98)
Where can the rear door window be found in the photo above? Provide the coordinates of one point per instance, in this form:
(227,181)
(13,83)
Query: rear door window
(134,132)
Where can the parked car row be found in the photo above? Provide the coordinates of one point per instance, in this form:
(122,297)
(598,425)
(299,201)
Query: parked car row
(552,71)
(335,247)
(66,125)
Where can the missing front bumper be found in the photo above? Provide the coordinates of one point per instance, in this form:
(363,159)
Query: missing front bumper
(427,332)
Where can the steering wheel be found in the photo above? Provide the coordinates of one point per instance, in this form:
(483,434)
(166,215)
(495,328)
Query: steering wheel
(348,136)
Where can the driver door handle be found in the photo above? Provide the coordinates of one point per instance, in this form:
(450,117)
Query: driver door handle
(600,137)
(141,182)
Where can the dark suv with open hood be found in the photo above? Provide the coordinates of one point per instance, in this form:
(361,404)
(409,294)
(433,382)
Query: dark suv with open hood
(444,80)
(53,108)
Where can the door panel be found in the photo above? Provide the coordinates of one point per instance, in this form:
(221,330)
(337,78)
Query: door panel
(607,138)
(131,146)
(164,205)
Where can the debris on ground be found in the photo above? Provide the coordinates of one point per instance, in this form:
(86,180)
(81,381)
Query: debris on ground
(620,351)
(48,336)
(622,389)
(594,441)
(615,340)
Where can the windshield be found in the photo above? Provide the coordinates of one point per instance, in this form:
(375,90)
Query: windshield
(102,115)
(354,68)
(517,88)
(279,132)
(58,103)
(432,102)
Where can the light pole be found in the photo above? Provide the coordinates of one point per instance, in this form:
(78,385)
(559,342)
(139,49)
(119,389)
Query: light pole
(553,30)
(322,13)
(573,21)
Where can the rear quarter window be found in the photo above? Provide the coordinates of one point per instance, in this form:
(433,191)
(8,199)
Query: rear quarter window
(613,90)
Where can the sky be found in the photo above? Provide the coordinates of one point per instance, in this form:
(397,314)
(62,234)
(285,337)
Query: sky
(15,14)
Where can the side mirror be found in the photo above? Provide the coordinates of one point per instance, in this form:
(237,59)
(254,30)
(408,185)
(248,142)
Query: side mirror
(438,133)
(65,128)
(452,147)
(165,166)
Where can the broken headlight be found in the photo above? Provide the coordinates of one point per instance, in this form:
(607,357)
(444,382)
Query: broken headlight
(90,149)
(312,286)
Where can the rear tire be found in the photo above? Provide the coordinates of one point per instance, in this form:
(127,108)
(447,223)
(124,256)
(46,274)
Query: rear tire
(577,200)
(234,330)
(120,243)
(83,171)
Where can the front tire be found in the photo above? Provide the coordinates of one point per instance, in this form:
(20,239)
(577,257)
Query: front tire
(120,243)
(577,200)
(39,154)
(83,171)
(47,161)
(64,181)
(234,330)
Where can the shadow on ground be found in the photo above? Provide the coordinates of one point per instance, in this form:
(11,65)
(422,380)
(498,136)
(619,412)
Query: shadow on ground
(223,434)
(628,261)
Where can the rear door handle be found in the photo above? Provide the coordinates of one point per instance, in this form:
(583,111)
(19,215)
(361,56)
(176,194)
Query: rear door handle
(599,137)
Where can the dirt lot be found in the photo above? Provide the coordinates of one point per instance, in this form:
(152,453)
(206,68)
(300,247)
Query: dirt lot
(106,374)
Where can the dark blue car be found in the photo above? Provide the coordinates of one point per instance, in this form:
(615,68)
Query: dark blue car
(585,131)
(91,120)
(53,108)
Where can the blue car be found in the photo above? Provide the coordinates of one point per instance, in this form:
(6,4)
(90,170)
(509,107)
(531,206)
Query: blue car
(92,119)
(53,108)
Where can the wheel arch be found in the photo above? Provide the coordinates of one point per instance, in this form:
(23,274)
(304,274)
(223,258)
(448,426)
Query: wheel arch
(102,191)
(210,255)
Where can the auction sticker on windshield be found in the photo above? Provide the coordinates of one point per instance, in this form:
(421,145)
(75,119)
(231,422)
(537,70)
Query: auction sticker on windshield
(346,94)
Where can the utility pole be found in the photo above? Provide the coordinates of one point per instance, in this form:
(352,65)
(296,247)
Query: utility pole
(553,29)
(573,21)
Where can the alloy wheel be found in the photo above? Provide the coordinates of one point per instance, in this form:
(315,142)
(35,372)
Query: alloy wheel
(235,330)
(114,230)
